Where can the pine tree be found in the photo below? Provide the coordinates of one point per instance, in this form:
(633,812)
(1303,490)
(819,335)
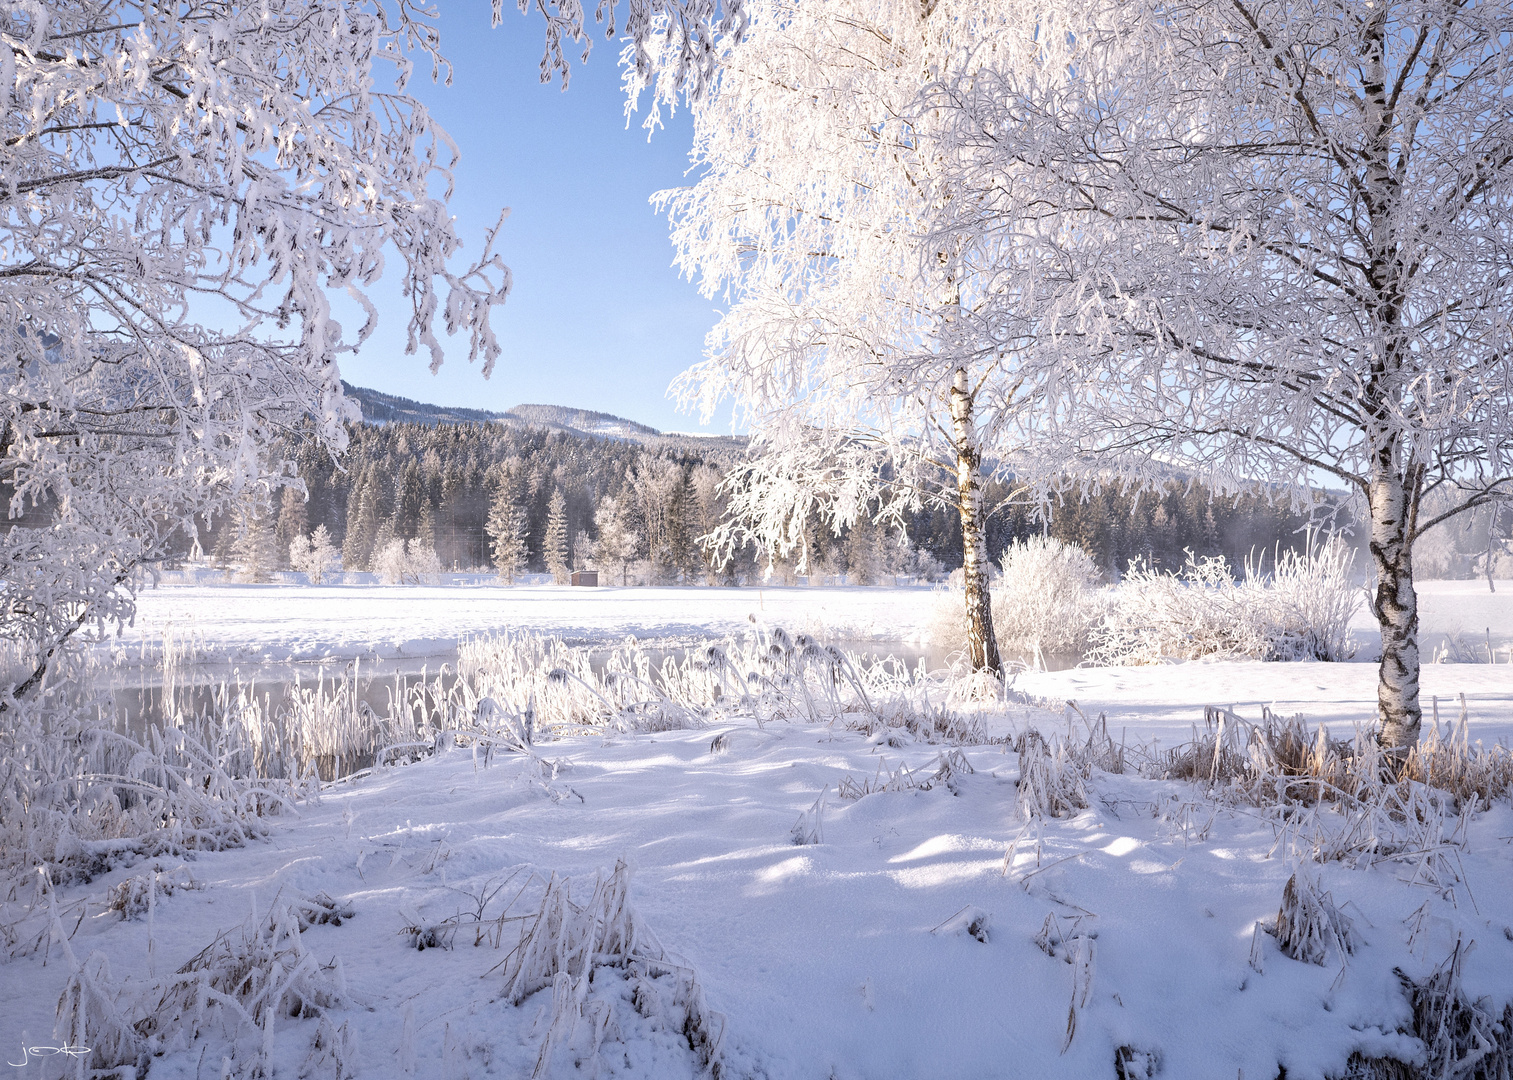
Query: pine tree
(362,523)
(292,522)
(554,547)
(507,534)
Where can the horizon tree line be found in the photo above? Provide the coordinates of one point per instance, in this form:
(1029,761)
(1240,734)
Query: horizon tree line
(517,501)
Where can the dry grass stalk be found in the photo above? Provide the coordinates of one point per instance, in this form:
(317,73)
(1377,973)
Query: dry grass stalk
(563,943)
(1451,763)
(1461,1039)
(1309,926)
(1052,781)
(245,981)
(809,828)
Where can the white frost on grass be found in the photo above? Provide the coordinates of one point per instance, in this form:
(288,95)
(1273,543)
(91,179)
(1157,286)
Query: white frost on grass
(821,955)
(1163,884)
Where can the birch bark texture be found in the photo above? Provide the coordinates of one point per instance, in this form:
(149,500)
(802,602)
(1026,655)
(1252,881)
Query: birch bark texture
(819,177)
(1285,244)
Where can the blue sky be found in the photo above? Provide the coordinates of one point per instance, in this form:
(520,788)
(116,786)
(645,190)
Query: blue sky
(598,318)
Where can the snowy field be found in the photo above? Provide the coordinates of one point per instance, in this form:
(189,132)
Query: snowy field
(279,623)
(927,931)
(286,622)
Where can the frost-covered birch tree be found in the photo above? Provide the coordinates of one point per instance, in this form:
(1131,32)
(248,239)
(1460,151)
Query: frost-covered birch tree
(844,346)
(181,185)
(1286,252)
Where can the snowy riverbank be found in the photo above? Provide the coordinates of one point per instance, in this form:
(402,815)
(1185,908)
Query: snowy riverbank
(931,928)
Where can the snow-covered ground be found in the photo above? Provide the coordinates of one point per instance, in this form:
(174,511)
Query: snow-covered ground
(828,960)
(287,621)
(291,622)
(831,960)
(1164,702)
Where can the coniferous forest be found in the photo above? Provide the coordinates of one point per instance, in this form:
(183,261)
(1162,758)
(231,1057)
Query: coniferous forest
(519,493)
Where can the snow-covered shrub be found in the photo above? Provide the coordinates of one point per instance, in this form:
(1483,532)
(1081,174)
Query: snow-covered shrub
(315,556)
(1301,610)
(96,1010)
(79,797)
(1048,598)
(1461,1037)
(1312,599)
(412,562)
(250,977)
(135,896)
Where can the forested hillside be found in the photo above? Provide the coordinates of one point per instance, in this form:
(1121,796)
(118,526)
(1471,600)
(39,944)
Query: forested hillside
(633,502)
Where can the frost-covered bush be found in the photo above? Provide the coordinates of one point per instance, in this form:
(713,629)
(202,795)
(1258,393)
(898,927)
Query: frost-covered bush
(412,562)
(1048,598)
(1301,610)
(315,556)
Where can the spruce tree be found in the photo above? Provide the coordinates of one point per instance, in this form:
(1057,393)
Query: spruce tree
(862,552)
(362,523)
(554,547)
(507,534)
(292,522)
(254,548)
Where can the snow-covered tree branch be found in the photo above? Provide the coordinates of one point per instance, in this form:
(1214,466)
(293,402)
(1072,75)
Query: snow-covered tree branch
(181,186)
(849,345)
(1285,248)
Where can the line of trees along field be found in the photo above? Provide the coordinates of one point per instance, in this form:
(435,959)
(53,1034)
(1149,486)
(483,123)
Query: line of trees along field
(519,500)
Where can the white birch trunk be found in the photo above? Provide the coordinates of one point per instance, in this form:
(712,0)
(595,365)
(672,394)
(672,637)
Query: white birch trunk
(982,643)
(1395,605)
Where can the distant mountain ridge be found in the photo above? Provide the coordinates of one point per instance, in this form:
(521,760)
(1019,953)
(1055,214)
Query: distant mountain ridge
(381,408)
